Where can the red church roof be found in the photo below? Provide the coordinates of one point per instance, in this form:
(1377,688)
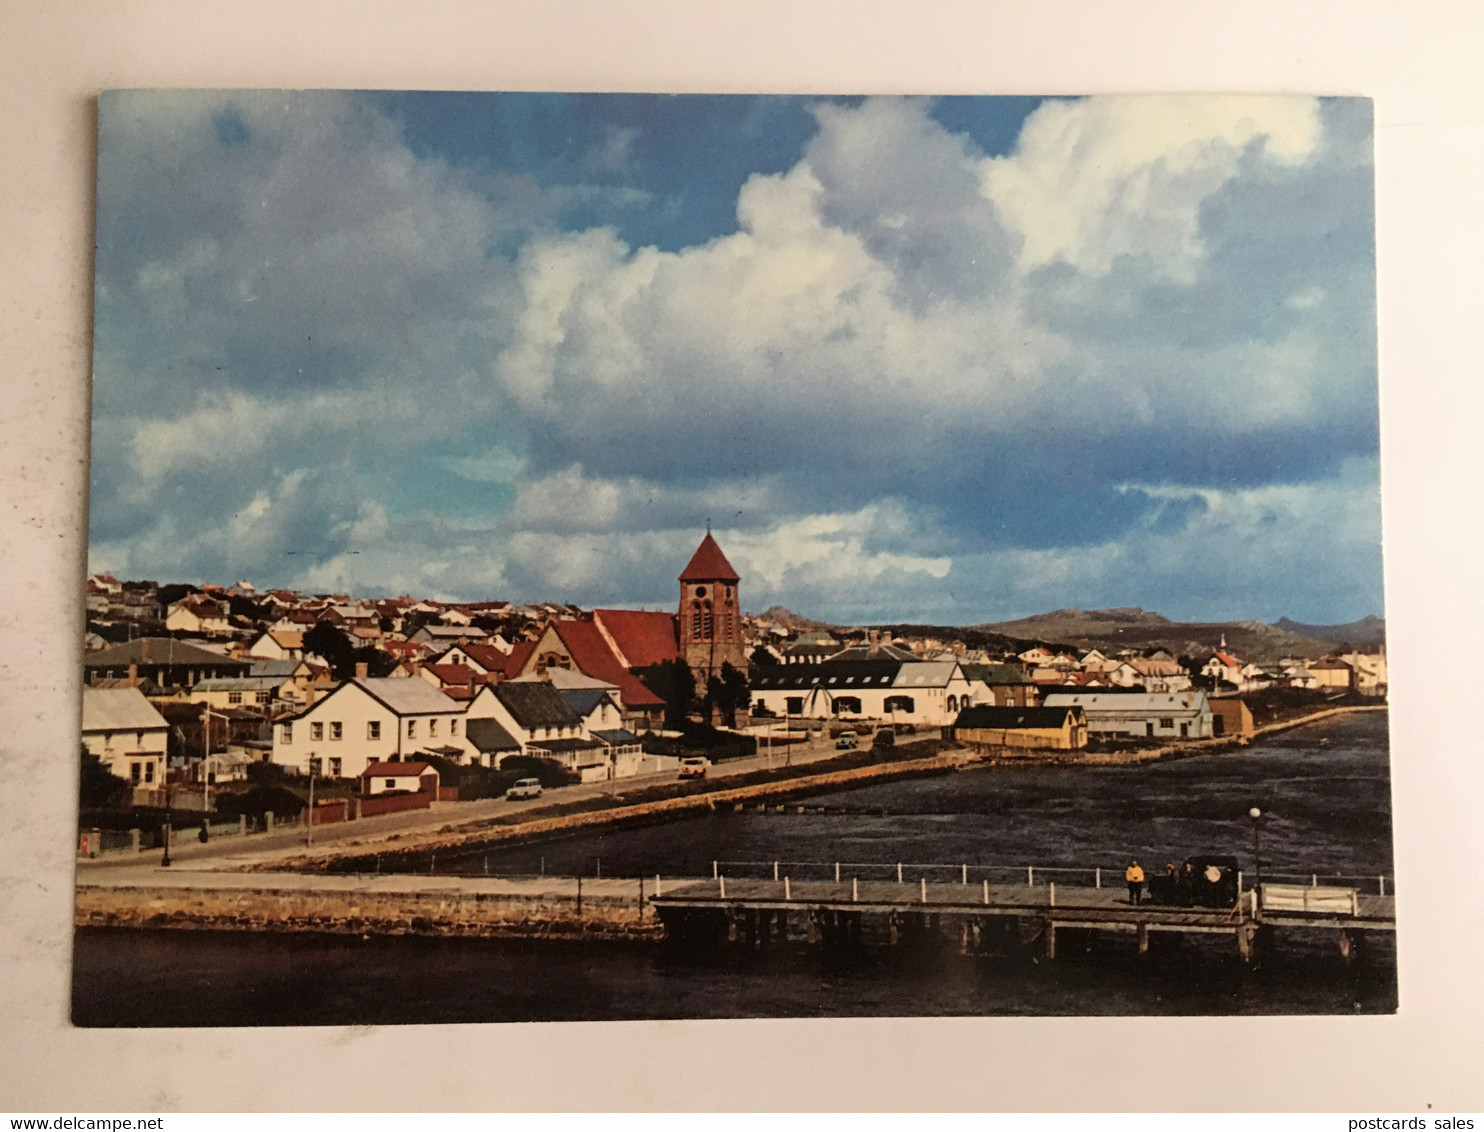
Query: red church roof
(709,564)
(642,639)
(593,657)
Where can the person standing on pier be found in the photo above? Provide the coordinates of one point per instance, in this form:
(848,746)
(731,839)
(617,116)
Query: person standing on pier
(1135,878)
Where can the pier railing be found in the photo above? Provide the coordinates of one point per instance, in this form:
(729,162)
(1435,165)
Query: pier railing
(1086,876)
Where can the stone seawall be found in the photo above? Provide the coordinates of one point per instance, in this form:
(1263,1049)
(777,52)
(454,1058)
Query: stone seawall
(549,909)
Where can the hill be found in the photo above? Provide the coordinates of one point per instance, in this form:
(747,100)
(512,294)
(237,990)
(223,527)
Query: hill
(1134,628)
(1368,632)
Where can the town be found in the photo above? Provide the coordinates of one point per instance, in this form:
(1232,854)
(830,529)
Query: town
(248,704)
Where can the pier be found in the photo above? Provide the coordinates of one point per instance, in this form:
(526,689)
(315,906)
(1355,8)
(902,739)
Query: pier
(993,917)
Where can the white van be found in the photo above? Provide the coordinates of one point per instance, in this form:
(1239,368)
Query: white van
(524,788)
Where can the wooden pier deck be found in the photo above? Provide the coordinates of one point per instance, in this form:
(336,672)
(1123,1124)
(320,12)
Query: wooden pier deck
(761,909)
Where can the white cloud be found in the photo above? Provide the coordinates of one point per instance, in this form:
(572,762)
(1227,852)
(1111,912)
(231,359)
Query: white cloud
(1095,179)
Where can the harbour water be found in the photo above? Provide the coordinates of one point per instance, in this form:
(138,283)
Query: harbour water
(1324,792)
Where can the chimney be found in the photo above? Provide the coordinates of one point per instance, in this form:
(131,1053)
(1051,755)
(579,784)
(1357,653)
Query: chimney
(875,636)
(362,671)
(133,675)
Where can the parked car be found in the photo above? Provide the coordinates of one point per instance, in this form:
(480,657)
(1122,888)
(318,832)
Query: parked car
(848,741)
(884,739)
(524,788)
(694,767)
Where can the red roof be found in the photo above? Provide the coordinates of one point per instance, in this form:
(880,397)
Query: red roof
(397,770)
(1228,660)
(708,564)
(593,657)
(517,659)
(403,648)
(642,639)
(455,673)
(487,657)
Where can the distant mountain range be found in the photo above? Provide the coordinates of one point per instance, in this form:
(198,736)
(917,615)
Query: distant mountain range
(1368,632)
(1135,628)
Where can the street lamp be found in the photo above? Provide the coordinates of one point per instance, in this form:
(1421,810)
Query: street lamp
(1256,815)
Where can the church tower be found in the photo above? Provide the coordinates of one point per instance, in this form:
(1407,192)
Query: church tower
(710,625)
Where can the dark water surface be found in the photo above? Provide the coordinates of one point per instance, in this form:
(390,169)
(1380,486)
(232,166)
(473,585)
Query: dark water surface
(1328,811)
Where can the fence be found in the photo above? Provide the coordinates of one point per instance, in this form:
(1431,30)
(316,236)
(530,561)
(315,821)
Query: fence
(1095,876)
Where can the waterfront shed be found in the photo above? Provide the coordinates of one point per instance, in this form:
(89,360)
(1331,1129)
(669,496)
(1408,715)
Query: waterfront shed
(985,728)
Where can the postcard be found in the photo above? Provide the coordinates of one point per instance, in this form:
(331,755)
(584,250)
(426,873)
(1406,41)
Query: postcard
(595,557)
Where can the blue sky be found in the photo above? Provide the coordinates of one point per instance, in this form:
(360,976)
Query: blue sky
(948,360)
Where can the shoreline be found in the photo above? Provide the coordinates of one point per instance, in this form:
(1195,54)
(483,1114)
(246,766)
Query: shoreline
(779,791)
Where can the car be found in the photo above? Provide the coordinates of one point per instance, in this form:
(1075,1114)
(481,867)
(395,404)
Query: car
(847,741)
(694,767)
(884,739)
(524,788)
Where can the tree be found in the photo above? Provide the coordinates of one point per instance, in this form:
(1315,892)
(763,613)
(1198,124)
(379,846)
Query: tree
(329,642)
(673,682)
(377,662)
(98,787)
(729,694)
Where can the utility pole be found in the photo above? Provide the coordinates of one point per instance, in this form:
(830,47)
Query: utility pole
(309,813)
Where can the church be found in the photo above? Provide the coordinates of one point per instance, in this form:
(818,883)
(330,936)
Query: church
(618,645)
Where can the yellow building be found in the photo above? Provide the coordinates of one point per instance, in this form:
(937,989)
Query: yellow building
(1021,728)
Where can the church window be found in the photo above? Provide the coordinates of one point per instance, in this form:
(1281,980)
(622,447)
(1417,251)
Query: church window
(695,621)
(707,629)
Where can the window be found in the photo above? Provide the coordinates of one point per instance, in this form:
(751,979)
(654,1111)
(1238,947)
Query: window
(316,732)
(432,728)
(1166,724)
(373,729)
(707,629)
(149,772)
(453,726)
(264,697)
(794,705)
(288,734)
(234,697)
(337,730)
(133,772)
(695,621)
(334,768)
(952,703)
(412,729)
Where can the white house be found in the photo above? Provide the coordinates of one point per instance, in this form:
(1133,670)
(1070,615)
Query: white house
(121,728)
(384,778)
(1370,671)
(535,715)
(364,721)
(926,693)
(1153,715)
(1224,666)
(278,644)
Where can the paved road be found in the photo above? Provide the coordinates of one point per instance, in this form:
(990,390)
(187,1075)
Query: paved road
(233,852)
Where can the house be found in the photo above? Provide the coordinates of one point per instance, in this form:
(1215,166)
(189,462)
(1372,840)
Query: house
(238,691)
(1037,657)
(1224,667)
(1095,661)
(926,693)
(124,730)
(282,644)
(581,646)
(1001,685)
(1331,674)
(985,728)
(535,715)
(369,720)
(1154,715)
(1152,674)
(409,777)
(197,614)
(166,662)
(1370,671)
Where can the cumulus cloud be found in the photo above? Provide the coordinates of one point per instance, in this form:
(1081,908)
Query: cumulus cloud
(914,377)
